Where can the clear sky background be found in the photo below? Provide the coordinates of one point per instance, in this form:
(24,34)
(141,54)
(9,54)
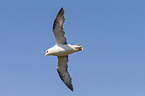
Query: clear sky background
(112,33)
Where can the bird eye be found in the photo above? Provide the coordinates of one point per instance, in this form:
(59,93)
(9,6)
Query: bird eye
(46,51)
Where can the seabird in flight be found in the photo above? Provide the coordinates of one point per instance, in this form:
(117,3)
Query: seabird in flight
(61,49)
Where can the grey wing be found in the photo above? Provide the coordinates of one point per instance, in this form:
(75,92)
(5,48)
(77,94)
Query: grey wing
(62,71)
(58,28)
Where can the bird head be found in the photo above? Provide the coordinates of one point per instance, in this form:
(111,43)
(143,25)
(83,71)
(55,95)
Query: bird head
(46,53)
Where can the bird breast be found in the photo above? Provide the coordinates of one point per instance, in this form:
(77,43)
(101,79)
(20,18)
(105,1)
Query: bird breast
(61,50)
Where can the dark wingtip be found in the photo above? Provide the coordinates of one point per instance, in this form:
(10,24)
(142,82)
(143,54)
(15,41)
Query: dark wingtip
(70,86)
(61,9)
(61,12)
(72,89)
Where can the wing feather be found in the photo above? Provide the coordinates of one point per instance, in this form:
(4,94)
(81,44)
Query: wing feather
(62,71)
(58,28)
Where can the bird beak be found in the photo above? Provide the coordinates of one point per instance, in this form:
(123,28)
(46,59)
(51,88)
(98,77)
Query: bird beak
(46,54)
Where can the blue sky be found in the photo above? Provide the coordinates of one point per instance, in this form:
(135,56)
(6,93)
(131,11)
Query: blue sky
(112,33)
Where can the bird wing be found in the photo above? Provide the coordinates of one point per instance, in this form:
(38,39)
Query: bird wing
(62,71)
(58,28)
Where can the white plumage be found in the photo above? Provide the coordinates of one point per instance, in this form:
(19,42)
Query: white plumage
(61,49)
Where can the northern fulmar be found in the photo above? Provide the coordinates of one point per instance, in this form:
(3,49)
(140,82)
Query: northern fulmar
(61,49)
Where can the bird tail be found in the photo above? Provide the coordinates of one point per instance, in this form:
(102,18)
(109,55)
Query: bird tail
(78,47)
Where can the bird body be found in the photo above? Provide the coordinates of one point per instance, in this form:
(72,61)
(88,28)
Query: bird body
(61,49)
